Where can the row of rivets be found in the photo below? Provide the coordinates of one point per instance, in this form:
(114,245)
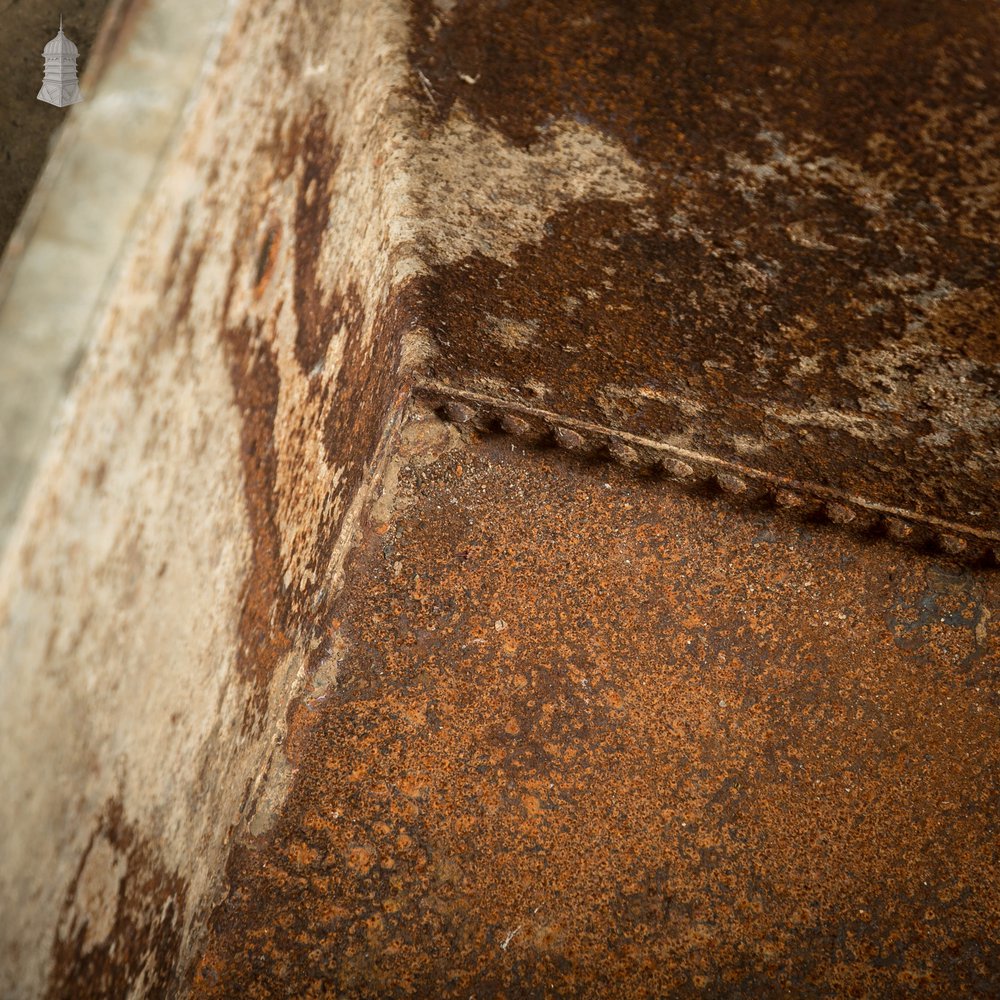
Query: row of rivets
(731,484)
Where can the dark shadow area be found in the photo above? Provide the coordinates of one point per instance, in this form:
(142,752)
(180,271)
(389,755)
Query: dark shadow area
(27,125)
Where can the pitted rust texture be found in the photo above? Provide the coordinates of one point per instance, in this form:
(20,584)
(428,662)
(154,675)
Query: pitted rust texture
(581,737)
(808,285)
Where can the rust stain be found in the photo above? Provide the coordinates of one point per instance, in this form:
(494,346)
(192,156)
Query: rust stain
(346,406)
(809,287)
(264,619)
(588,738)
(121,920)
(266,259)
(319,160)
(267,625)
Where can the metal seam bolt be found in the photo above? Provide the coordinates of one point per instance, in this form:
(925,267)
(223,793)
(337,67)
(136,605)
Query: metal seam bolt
(514,424)
(676,468)
(897,529)
(952,544)
(839,513)
(567,438)
(623,453)
(731,484)
(787,499)
(459,413)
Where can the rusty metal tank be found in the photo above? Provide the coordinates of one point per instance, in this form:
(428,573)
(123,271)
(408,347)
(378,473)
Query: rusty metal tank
(526,524)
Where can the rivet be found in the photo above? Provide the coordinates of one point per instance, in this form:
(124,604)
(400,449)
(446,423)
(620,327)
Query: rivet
(514,424)
(952,544)
(730,483)
(459,413)
(787,499)
(567,438)
(838,513)
(897,529)
(623,453)
(676,468)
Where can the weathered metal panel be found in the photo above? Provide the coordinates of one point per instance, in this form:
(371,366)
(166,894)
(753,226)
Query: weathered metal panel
(765,234)
(173,568)
(585,721)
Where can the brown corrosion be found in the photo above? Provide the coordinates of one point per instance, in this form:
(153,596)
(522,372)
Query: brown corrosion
(137,936)
(586,738)
(355,400)
(266,259)
(809,285)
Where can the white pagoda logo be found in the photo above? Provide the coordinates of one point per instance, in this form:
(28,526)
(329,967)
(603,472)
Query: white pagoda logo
(60,86)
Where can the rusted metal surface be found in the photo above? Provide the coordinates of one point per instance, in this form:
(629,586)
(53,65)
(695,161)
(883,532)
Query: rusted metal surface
(122,920)
(577,735)
(796,267)
(587,720)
